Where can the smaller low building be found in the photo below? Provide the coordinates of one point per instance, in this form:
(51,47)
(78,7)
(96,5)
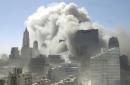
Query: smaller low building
(63,71)
(67,81)
(18,78)
(38,64)
(55,60)
(24,79)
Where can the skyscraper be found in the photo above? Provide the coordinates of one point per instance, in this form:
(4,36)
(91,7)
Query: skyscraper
(113,42)
(26,40)
(125,70)
(105,68)
(26,51)
(86,43)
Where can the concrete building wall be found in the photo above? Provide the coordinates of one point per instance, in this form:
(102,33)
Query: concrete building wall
(2,82)
(105,68)
(63,71)
(24,79)
(18,78)
(86,41)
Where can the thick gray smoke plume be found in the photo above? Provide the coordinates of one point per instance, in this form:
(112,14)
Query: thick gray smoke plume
(54,27)
(124,40)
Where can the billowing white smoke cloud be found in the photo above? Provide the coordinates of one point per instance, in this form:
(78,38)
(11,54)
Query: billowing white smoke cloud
(54,26)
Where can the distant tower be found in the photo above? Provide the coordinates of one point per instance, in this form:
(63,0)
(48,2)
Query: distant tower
(26,38)
(113,42)
(14,53)
(124,62)
(35,44)
(35,49)
(26,51)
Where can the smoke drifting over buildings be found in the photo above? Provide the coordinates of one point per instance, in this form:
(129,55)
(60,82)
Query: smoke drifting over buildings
(57,23)
(124,39)
(62,46)
(55,26)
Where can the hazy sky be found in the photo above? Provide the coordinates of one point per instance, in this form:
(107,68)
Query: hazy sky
(13,13)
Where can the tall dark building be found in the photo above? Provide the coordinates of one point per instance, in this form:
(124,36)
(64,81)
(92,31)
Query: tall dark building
(26,40)
(125,70)
(26,51)
(124,63)
(86,42)
(113,42)
(35,50)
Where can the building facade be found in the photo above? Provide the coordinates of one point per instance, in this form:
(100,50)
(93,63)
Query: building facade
(63,71)
(105,68)
(18,78)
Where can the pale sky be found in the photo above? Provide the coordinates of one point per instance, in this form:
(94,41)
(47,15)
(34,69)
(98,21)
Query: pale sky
(13,13)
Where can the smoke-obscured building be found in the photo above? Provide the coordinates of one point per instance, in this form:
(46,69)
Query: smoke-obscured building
(18,78)
(55,60)
(26,51)
(63,71)
(113,42)
(105,68)
(38,65)
(86,42)
(2,82)
(68,81)
(125,70)
(35,50)
(12,77)
(24,79)
(14,53)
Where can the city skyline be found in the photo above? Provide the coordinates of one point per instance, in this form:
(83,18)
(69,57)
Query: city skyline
(14,14)
(65,42)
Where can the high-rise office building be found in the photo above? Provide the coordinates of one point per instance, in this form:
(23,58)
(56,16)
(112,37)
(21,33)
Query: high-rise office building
(125,70)
(26,39)
(113,42)
(26,51)
(86,42)
(105,68)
